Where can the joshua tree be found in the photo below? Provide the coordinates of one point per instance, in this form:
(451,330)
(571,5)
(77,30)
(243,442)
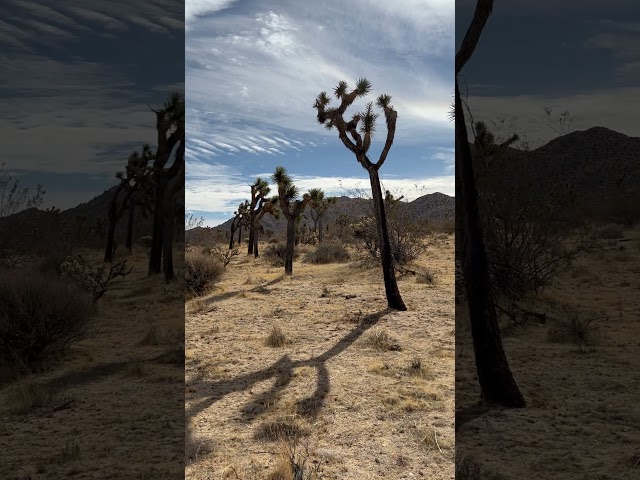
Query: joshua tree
(359,144)
(291,209)
(171,137)
(494,375)
(319,205)
(270,207)
(259,191)
(236,223)
(134,184)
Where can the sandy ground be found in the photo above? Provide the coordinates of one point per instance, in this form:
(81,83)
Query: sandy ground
(583,419)
(361,412)
(114,408)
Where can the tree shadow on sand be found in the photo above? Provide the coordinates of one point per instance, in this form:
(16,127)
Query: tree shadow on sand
(282,373)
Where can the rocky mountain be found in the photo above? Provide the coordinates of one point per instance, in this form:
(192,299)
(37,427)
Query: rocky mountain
(597,162)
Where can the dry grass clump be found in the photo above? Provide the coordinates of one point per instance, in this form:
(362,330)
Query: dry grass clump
(426,277)
(26,396)
(295,463)
(281,428)
(276,337)
(328,252)
(201,271)
(40,317)
(379,339)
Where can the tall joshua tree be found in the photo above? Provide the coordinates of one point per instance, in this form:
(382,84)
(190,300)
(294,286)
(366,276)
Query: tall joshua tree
(171,133)
(259,191)
(494,375)
(291,209)
(270,207)
(134,182)
(319,205)
(359,143)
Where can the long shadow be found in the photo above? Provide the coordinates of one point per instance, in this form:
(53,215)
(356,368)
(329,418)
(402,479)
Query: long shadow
(282,372)
(104,370)
(259,288)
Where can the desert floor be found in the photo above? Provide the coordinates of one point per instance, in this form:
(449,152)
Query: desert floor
(113,408)
(356,410)
(583,418)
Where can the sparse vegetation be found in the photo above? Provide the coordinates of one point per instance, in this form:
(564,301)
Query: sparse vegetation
(40,317)
(201,271)
(328,252)
(275,254)
(276,337)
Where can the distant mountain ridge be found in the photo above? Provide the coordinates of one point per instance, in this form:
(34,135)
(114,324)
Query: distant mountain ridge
(431,207)
(596,162)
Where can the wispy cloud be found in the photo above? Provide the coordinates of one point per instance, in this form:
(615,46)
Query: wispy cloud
(267,66)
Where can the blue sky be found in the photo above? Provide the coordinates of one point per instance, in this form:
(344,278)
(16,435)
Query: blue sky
(583,56)
(76,82)
(254,68)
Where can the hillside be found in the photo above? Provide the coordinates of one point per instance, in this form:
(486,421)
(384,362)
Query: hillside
(21,226)
(431,207)
(591,163)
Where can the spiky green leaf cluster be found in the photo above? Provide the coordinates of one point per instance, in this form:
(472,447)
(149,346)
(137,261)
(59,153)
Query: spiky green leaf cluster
(363,87)
(368,120)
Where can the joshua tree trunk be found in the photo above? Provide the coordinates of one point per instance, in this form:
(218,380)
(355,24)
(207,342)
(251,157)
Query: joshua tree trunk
(231,238)
(494,375)
(157,236)
(167,252)
(291,234)
(240,236)
(252,234)
(256,239)
(320,230)
(130,227)
(111,233)
(394,299)
(174,186)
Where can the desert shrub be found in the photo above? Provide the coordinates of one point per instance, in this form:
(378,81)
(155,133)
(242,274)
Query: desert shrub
(405,237)
(578,328)
(328,252)
(201,271)
(275,254)
(52,264)
(612,231)
(40,316)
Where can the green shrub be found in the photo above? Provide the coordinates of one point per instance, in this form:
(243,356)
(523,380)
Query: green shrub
(40,316)
(201,271)
(328,252)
